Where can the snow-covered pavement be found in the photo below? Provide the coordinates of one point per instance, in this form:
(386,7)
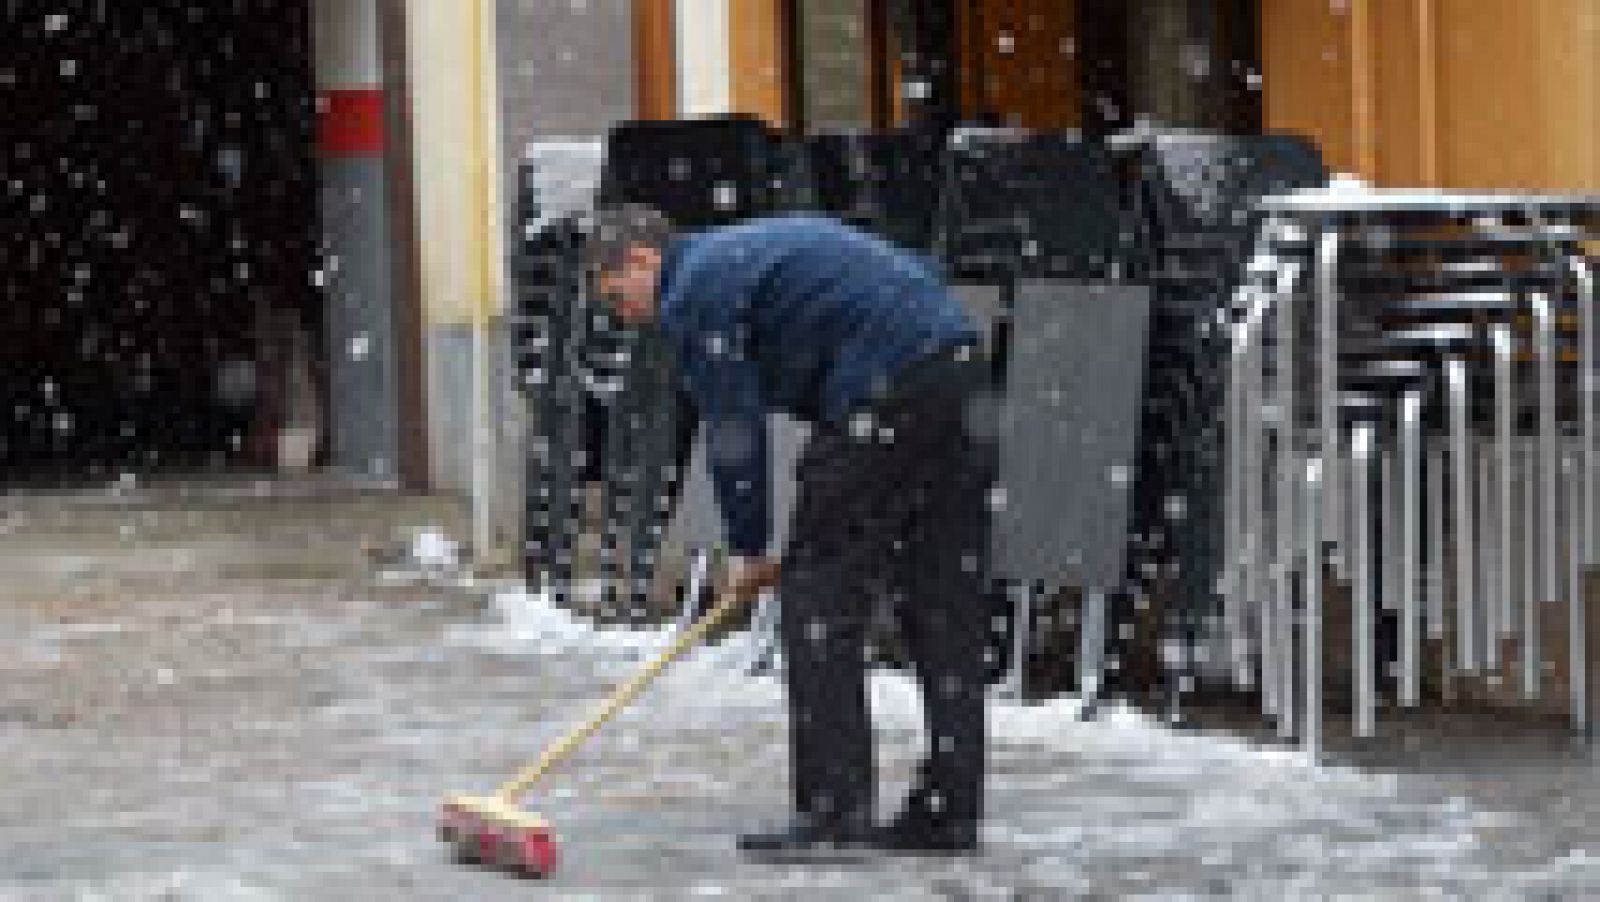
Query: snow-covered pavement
(281,739)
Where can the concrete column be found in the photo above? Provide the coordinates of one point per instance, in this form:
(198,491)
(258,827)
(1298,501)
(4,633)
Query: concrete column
(355,276)
(460,241)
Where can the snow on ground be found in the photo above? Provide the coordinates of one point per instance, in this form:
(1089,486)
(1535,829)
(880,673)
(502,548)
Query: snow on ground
(294,742)
(1239,793)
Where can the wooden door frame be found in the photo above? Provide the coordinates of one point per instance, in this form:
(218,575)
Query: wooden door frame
(791,62)
(880,66)
(655,59)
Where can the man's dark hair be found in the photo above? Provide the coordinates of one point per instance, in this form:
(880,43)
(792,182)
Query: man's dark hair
(613,230)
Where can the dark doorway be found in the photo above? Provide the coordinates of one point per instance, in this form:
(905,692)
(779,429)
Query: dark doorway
(1098,65)
(1170,63)
(160,250)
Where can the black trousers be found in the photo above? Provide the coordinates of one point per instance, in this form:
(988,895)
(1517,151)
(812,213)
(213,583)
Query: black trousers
(892,510)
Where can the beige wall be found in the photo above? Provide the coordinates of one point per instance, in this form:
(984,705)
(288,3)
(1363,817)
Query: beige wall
(1484,94)
(454,134)
(460,244)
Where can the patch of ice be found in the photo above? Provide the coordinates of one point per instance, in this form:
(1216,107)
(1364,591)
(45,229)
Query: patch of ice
(176,886)
(94,628)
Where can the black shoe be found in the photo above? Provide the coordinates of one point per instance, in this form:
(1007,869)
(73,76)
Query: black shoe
(913,834)
(805,835)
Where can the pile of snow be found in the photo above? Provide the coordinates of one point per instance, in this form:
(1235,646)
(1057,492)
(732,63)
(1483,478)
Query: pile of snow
(714,682)
(530,622)
(1169,794)
(433,551)
(715,678)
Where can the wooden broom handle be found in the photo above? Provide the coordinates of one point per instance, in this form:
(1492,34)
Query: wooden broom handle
(734,598)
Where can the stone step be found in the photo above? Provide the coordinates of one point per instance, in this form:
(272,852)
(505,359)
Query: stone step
(79,560)
(252,518)
(211,533)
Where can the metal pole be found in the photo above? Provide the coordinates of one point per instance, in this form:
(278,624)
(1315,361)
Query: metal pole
(1286,653)
(1311,717)
(1586,487)
(1288,475)
(1091,644)
(1260,510)
(1233,599)
(1449,550)
(699,566)
(1505,513)
(1361,440)
(1271,532)
(1436,540)
(1530,570)
(1388,521)
(1487,554)
(1549,589)
(1587,388)
(1461,503)
(1577,657)
(1266,631)
(1327,294)
(1410,479)
(1244,676)
(1021,634)
(763,632)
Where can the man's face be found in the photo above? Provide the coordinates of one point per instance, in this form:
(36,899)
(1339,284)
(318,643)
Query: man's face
(631,287)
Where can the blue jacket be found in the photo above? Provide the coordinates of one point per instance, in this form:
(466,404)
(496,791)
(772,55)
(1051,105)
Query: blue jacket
(795,313)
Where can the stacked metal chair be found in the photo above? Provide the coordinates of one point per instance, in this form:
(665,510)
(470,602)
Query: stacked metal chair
(1324,375)
(609,406)
(701,173)
(1403,370)
(1002,223)
(549,324)
(1000,218)
(888,183)
(1196,201)
(985,206)
(884,182)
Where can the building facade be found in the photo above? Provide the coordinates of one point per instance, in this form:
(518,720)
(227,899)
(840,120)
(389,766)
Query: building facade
(415,113)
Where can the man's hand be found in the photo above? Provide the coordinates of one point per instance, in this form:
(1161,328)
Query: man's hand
(749,575)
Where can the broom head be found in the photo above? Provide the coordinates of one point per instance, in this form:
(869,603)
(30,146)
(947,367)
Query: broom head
(487,830)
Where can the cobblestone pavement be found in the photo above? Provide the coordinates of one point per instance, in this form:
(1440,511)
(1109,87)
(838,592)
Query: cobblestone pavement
(179,734)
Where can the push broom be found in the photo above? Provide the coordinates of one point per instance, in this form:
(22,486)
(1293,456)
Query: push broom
(496,830)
